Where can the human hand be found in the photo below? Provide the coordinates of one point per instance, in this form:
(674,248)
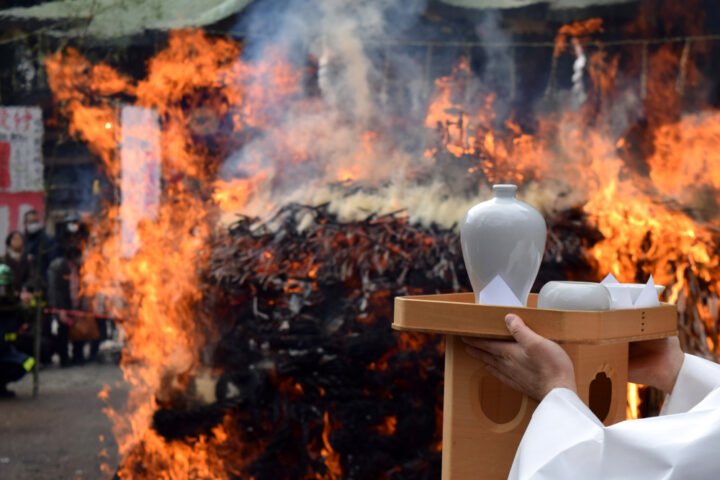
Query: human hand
(63,317)
(656,363)
(531,364)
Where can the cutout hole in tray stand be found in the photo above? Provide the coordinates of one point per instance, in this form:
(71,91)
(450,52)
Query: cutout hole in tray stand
(499,403)
(600,395)
(497,407)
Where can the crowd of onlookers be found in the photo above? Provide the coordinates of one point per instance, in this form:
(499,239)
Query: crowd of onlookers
(40,287)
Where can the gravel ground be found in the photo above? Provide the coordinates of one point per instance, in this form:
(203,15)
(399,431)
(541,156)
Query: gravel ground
(56,436)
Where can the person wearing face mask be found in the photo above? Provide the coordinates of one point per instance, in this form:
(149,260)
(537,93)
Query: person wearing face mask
(64,294)
(38,244)
(13,363)
(19,261)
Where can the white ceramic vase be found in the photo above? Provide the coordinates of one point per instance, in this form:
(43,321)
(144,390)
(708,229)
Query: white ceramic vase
(503,236)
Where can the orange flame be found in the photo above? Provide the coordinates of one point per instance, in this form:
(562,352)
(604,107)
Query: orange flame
(332,458)
(580,30)
(158,283)
(633,404)
(388,426)
(463,128)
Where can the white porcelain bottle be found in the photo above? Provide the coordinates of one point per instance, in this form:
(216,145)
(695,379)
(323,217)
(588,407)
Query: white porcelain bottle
(503,236)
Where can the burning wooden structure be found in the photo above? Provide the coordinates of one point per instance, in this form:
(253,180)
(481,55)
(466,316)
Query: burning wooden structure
(311,370)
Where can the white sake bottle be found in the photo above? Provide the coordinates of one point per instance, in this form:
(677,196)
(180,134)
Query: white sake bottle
(506,237)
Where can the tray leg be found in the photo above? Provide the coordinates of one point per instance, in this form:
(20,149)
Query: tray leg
(484,420)
(601,378)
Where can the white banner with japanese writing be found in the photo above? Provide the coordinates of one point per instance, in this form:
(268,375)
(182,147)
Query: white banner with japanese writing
(140,183)
(21,166)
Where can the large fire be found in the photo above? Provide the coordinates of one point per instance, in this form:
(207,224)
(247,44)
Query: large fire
(223,151)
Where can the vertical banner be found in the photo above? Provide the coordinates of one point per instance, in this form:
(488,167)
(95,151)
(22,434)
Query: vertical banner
(21,166)
(140,171)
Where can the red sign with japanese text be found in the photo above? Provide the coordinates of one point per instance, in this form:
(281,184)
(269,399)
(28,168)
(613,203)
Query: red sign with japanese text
(4,164)
(21,166)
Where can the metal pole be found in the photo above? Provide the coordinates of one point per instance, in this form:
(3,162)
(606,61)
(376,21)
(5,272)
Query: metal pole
(644,71)
(37,340)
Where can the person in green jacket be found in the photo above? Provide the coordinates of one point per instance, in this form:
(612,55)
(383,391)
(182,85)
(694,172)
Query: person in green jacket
(13,363)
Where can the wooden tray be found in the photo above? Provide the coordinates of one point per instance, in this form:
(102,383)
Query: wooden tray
(458,314)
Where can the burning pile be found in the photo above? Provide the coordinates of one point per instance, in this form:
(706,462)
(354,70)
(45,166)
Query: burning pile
(311,370)
(266,352)
(327,387)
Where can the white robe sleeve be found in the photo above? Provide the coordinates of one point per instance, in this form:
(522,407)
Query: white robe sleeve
(565,440)
(697,378)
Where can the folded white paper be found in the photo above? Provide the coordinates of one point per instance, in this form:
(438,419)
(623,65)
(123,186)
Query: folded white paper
(622,299)
(497,292)
(648,297)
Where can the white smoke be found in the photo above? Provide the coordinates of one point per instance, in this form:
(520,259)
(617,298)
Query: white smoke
(362,78)
(499,69)
(342,106)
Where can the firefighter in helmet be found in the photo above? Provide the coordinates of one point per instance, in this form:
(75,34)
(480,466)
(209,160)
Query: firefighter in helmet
(13,364)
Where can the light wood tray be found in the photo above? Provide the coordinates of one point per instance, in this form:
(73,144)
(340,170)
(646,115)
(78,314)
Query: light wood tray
(458,314)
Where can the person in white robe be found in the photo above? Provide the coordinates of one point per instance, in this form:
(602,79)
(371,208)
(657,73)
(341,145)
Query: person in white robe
(565,440)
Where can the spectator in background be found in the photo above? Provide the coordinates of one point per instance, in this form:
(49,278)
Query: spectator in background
(19,261)
(39,244)
(30,302)
(64,292)
(13,363)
